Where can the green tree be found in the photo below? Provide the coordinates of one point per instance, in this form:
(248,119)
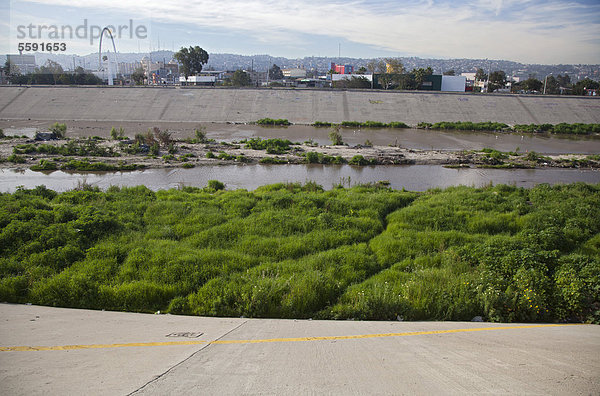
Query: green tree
(552,86)
(480,75)
(564,81)
(580,87)
(450,72)
(420,75)
(240,79)
(361,70)
(529,85)
(191,60)
(497,80)
(275,73)
(138,76)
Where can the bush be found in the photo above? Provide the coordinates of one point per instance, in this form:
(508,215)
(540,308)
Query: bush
(215,185)
(59,130)
(45,165)
(15,159)
(272,122)
(336,137)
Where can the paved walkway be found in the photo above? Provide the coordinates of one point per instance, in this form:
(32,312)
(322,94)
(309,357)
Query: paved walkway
(62,351)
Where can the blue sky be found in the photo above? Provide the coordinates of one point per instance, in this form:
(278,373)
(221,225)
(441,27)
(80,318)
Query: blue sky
(529,31)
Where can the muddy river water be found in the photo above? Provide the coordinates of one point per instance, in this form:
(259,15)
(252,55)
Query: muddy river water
(414,178)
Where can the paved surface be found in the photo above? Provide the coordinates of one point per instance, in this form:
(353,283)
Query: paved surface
(71,352)
(299,106)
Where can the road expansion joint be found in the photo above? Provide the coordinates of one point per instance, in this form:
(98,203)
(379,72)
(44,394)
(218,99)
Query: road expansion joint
(156,378)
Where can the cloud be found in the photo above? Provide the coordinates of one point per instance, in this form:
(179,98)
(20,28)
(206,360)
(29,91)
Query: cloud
(532,31)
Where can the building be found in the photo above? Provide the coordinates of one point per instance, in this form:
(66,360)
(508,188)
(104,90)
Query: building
(206,80)
(23,64)
(454,83)
(294,73)
(257,78)
(342,69)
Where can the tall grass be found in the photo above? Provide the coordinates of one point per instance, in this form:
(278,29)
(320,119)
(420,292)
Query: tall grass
(297,251)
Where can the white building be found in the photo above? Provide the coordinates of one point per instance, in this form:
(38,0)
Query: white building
(454,83)
(294,73)
(198,80)
(24,64)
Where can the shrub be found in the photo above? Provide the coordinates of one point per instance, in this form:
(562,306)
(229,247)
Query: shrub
(45,165)
(215,185)
(271,122)
(336,137)
(59,130)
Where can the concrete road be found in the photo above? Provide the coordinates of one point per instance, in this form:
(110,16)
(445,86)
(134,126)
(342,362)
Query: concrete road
(72,352)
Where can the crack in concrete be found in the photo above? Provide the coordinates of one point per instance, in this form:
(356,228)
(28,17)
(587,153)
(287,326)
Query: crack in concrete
(156,378)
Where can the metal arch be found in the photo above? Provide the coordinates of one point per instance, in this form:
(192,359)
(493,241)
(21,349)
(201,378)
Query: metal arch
(100,47)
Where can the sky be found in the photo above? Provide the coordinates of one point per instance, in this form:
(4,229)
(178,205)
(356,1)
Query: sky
(527,31)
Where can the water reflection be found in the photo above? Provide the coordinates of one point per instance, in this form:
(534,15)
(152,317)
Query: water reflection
(413,178)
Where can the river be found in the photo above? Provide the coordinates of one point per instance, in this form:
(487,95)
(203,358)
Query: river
(412,177)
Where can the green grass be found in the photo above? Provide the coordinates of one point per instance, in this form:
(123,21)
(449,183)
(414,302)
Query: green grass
(296,251)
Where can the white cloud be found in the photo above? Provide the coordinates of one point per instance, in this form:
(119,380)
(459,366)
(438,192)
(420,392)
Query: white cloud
(535,32)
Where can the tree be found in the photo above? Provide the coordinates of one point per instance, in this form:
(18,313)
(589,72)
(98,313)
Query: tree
(480,75)
(420,75)
(275,73)
(240,79)
(191,60)
(394,66)
(138,76)
(450,72)
(12,72)
(361,70)
(565,81)
(529,85)
(552,86)
(580,87)
(497,80)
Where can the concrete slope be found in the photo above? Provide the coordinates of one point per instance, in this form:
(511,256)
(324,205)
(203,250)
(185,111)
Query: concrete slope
(298,106)
(72,352)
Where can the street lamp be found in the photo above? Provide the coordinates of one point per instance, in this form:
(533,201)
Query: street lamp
(545,82)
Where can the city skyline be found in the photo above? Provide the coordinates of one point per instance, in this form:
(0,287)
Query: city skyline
(530,31)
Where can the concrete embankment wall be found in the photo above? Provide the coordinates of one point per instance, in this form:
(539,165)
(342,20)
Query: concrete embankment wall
(297,105)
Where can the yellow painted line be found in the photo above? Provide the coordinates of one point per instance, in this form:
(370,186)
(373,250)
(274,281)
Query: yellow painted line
(298,339)
(96,346)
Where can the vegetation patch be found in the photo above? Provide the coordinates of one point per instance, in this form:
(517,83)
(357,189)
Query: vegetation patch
(288,250)
(87,147)
(273,160)
(295,251)
(273,122)
(272,146)
(86,166)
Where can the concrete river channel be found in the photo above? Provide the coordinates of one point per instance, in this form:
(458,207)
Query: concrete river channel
(410,177)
